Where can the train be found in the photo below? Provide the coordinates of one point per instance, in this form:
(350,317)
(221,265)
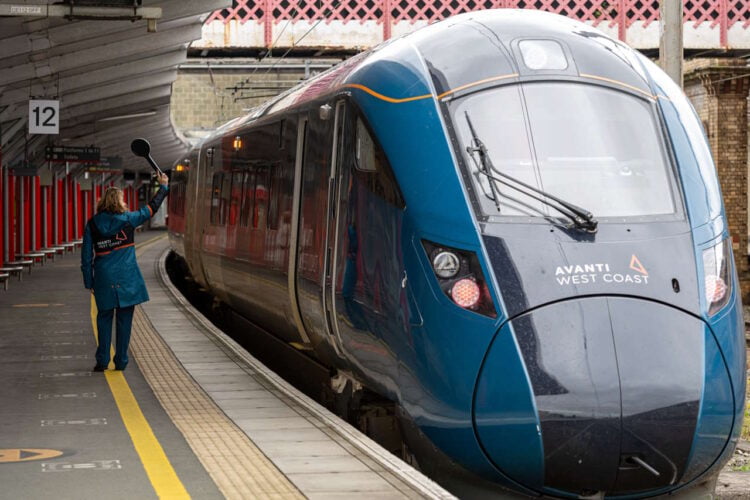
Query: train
(508,224)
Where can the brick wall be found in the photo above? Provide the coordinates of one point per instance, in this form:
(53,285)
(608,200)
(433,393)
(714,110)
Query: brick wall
(206,96)
(718,88)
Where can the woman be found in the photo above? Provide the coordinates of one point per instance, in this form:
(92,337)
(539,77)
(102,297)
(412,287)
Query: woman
(110,270)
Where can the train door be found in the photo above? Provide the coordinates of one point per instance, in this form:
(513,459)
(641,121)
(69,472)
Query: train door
(337,177)
(194,215)
(204,193)
(294,230)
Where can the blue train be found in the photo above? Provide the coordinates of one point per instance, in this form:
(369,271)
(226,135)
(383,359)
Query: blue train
(508,224)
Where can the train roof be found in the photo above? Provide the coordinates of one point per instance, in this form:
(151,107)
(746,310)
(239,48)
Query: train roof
(470,51)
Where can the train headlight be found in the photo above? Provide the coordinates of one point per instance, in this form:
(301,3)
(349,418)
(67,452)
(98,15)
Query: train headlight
(460,277)
(466,293)
(446,264)
(717,262)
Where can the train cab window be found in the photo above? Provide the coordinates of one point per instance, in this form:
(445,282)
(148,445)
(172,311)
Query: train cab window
(372,166)
(595,147)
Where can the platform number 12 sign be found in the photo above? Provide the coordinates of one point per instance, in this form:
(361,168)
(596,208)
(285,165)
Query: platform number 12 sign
(44,117)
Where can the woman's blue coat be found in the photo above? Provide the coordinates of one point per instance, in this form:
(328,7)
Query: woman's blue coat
(114,276)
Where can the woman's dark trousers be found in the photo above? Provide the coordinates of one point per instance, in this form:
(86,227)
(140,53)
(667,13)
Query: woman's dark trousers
(124,319)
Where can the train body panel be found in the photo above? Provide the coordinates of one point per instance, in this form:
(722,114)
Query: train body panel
(413,216)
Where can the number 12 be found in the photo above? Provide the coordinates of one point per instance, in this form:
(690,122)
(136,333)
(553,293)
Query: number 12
(48,122)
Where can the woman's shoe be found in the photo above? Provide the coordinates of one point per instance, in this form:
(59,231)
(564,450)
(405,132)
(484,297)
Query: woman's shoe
(99,368)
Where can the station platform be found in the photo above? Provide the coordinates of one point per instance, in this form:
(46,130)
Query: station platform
(194,415)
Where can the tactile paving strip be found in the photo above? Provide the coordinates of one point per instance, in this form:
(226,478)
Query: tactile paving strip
(237,466)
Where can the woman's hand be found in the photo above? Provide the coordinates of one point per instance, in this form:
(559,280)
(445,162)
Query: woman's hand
(163,179)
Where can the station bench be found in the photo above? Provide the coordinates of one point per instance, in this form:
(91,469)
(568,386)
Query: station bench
(34,256)
(13,270)
(4,277)
(49,252)
(25,263)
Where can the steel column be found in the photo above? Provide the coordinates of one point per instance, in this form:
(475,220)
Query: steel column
(66,207)
(34,215)
(75,209)
(45,218)
(85,207)
(6,217)
(55,210)
(21,216)
(670,39)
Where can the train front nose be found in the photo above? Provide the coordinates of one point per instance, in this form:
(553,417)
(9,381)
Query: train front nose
(616,384)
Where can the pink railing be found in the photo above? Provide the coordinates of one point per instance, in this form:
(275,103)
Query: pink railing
(721,14)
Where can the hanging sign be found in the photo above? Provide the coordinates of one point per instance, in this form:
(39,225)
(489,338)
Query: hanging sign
(44,117)
(106,165)
(23,169)
(46,177)
(72,154)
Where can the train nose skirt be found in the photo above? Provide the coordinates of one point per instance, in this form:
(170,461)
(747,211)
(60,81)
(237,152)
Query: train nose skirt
(617,385)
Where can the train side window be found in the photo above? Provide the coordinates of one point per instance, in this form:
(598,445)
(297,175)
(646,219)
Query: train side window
(248,197)
(372,166)
(215,198)
(365,149)
(260,219)
(236,197)
(273,198)
(226,186)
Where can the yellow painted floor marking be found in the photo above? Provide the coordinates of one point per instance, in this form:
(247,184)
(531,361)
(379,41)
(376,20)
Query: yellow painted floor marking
(27,454)
(160,472)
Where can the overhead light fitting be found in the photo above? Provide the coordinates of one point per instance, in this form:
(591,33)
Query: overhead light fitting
(125,117)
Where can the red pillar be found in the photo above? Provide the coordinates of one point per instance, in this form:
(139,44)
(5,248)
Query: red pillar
(12,219)
(38,216)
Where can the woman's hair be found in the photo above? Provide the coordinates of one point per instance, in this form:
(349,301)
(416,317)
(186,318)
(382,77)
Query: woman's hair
(110,201)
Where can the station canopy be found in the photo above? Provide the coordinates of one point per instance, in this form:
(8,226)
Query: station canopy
(109,64)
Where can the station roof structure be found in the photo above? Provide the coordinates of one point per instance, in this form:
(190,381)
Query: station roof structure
(102,60)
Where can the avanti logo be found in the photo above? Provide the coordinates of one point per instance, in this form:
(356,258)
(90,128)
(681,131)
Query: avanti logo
(636,265)
(593,273)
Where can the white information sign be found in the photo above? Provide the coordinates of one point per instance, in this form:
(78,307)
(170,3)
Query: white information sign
(44,117)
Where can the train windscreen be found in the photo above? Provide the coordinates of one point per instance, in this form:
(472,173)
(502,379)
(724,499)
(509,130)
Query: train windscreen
(592,146)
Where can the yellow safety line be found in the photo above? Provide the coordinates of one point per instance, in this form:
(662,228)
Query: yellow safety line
(160,472)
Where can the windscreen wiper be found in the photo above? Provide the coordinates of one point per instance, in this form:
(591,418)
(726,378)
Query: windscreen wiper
(581,218)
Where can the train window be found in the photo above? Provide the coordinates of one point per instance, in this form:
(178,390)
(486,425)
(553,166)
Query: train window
(215,199)
(226,185)
(274,195)
(175,198)
(372,167)
(260,215)
(541,134)
(248,197)
(236,197)
(181,199)
(364,149)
